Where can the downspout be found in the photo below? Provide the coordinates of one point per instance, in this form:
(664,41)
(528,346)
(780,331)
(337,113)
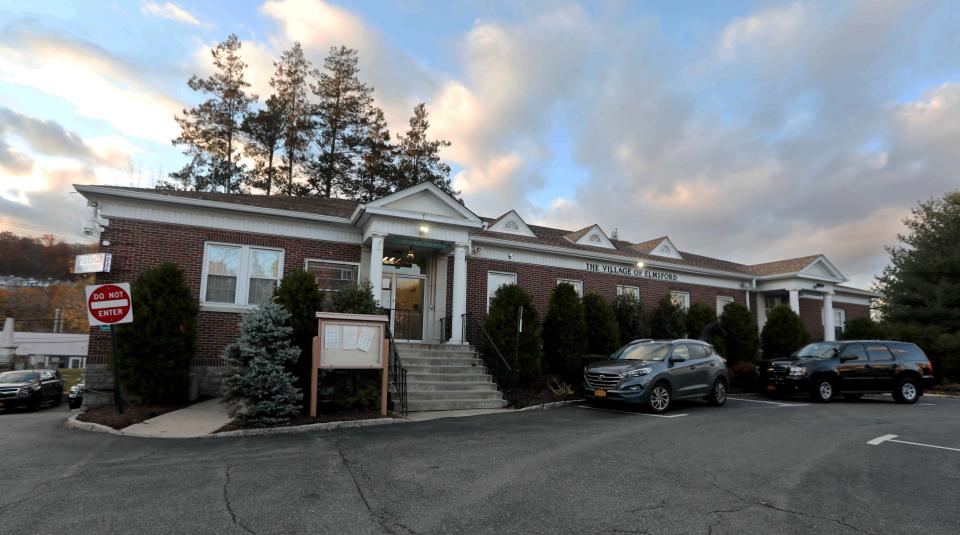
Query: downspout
(753,286)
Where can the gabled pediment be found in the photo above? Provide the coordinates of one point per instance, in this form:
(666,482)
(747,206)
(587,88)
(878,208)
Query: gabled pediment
(821,267)
(424,198)
(592,235)
(511,223)
(667,249)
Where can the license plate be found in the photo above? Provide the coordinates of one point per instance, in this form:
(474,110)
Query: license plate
(600,393)
(771,388)
(1,404)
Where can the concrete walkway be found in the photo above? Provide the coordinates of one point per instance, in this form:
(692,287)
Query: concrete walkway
(197,420)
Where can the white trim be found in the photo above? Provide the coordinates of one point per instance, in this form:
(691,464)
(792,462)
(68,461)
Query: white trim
(203,203)
(406,215)
(500,225)
(672,250)
(576,283)
(685,306)
(602,239)
(242,289)
(727,299)
(377,206)
(516,280)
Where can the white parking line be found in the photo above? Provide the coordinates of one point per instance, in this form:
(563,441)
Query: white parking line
(777,403)
(928,404)
(890,438)
(633,413)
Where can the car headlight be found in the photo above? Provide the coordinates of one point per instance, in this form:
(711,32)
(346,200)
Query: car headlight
(639,372)
(25,391)
(797,371)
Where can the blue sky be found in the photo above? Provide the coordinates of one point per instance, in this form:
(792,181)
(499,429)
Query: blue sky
(749,131)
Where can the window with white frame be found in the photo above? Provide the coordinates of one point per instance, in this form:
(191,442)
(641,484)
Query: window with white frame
(240,274)
(681,299)
(494,281)
(839,319)
(577,285)
(628,290)
(333,276)
(722,302)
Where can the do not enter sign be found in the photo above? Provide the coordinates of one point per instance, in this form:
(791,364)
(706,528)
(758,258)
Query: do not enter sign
(109,304)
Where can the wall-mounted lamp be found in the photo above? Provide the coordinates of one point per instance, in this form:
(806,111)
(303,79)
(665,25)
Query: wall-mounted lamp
(410,254)
(639,264)
(818,285)
(424,230)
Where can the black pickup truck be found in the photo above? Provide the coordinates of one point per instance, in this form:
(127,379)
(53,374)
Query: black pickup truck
(850,368)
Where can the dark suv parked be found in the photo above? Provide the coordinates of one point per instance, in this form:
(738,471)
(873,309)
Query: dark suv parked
(655,372)
(851,368)
(30,388)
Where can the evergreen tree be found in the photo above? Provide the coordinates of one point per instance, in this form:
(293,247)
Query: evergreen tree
(564,333)
(863,329)
(377,169)
(783,333)
(341,116)
(521,352)
(299,296)
(289,83)
(264,132)
(603,333)
(419,157)
(157,349)
(740,342)
(667,320)
(212,128)
(631,320)
(356,299)
(921,285)
(699,315)
(262,392)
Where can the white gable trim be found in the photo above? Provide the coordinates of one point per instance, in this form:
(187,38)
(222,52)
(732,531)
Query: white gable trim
(666,249)
(596,238)
(827,266)
(502,225)
(383,202)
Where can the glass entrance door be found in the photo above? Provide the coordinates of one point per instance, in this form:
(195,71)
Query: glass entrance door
(406,296)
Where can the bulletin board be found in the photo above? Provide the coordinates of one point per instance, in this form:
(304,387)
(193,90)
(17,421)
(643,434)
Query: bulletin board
(350,341)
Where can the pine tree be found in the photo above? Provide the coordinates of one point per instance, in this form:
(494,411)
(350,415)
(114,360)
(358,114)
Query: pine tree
(783,333)
(299,295)
(262,392)
(520,350)
(564,333)
(212,128)
(740,341)
(289,83)
(419,157)
(377,170)
(603,333)
(667,320)
(631,319)
(263,132)
(341,115)
(699,315)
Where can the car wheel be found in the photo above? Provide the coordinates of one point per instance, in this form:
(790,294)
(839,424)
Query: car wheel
(852,397)
(73,404)
(718,394)
(823,390)
(908,391)
(660,398)
(34,406)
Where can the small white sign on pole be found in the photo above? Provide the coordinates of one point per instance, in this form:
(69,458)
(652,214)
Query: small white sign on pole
(109,304)
(93,263)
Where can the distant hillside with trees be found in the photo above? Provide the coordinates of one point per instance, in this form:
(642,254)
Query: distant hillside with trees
(40,258)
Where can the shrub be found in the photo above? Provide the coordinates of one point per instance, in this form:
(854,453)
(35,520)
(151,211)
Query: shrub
(783,333)
(564,333)
(863,329)
(603,333)
(699,315)
(299,296)
(740,342)
(631,320)
(157,349)
(356,300)
(667,320)
(262,392)
(523,353)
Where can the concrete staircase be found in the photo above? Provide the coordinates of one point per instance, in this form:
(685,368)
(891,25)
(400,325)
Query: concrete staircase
(447,377)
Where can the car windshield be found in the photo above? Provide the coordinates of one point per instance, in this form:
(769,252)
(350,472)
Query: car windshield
(642,351)
(819,350)
(19,377)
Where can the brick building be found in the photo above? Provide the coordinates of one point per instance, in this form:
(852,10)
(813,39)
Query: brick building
(432,261)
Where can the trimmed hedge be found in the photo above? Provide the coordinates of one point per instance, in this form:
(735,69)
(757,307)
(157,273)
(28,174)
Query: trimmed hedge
(564,333)
(603,333)
(783,333)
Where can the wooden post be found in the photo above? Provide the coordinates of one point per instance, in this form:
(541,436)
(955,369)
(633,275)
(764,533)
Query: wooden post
(315,369)
(384,348)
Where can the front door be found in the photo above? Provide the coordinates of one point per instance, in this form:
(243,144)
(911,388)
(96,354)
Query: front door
(406,301)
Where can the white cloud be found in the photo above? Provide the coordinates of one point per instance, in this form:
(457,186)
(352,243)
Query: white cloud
(769,29)
(169,10)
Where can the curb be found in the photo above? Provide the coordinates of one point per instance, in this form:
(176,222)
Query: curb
(73,423)
(548,406)
(292,429)
(941,395)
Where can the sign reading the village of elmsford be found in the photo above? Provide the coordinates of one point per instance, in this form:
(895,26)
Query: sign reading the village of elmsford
(631,271)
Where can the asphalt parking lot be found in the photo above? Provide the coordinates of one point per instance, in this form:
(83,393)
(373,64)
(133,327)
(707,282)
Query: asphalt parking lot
(754,466)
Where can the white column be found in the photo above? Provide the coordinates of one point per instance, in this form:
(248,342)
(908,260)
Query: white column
(761,311)
(829,334)
(376,265)
(459,304)
(795,301)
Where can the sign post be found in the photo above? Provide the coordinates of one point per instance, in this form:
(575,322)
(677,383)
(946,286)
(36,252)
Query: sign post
(110,304)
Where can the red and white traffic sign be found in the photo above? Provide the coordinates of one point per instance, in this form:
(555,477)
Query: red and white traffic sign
(109,304)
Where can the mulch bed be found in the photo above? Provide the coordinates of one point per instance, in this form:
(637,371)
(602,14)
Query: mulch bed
(132,414)
(537,394)
(346,416)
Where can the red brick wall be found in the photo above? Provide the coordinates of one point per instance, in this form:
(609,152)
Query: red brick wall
(810,315)
(539,282)
(137,245)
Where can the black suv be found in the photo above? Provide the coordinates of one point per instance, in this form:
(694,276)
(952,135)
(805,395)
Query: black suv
(30,388)
(655,372)
(851,368)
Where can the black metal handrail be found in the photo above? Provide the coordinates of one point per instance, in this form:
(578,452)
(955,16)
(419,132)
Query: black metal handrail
(483,330)
(398,374)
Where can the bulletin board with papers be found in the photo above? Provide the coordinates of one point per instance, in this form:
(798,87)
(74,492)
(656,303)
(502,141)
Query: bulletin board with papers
(350,341)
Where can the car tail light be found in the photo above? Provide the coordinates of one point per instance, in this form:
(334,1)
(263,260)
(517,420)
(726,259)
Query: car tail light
(930,366)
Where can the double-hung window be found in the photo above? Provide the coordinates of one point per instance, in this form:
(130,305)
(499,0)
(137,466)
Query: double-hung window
(722,302)
(628,290)
(681,299)
(333,276)
(577,285)
(240,274)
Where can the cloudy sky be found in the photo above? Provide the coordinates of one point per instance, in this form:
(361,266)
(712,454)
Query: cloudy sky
(749,131)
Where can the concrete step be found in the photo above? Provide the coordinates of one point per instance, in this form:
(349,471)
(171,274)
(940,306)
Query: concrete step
(455,404)
(435,347)
(462,386)
(429,368)
(424,377)
(439,361)
(472,395)
(437,355)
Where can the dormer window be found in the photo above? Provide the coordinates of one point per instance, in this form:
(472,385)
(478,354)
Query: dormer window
(595,238)
(511,225)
